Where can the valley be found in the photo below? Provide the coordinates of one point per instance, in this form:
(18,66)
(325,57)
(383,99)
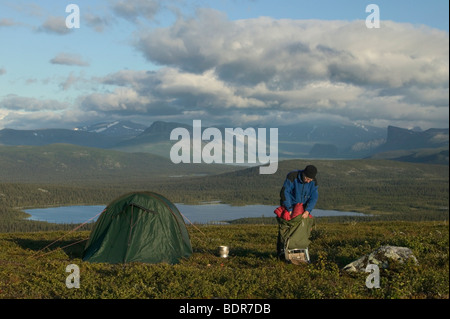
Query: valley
(62,175)
(408,204)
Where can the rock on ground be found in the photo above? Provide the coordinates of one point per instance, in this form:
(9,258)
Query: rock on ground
(381,257)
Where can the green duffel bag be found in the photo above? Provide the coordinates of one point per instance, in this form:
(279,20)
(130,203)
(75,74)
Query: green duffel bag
(293,234)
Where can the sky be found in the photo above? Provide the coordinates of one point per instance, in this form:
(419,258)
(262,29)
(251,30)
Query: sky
(241,63)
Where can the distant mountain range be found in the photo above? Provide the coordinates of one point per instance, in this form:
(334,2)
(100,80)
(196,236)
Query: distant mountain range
(51,136)
(119,129)
(299,140)
(430,146)
(402,139)
(303,140)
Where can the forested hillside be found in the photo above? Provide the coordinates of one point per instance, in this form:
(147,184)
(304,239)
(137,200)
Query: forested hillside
(371,186)
(71,164)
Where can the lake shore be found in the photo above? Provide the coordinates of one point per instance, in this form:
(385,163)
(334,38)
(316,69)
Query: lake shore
(204,213)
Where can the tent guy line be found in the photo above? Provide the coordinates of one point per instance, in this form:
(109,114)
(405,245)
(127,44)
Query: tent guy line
(69,232)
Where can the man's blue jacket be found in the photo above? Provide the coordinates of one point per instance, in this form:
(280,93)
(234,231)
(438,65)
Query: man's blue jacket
(295,191)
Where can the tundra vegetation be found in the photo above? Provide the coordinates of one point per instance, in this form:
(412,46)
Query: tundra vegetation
(406,203)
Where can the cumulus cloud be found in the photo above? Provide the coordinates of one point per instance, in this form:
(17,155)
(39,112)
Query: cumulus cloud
(260,50)
(399,71)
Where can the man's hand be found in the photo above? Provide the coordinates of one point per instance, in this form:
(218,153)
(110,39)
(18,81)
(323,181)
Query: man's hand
(305,214)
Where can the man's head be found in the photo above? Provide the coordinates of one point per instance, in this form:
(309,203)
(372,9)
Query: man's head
(309,173)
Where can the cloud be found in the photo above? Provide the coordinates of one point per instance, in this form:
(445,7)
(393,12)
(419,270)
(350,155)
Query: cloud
(7,22)
(27,8)
(120,100)
(15,102)
(169,91)
(399,71)
(255,50)
(2,71)
(97,22)
(131,10)
(21,112)
(55,25)
(131,78)
(68,59)
(45,119)
(70,81)
(183,48)
(203,90)
(266,71)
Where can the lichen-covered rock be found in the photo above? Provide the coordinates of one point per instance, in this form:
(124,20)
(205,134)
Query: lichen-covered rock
(381,258)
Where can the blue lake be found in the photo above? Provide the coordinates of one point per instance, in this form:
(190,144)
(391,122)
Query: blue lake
(202,214)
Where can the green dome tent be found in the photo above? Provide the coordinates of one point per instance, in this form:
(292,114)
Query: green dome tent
(144,227)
